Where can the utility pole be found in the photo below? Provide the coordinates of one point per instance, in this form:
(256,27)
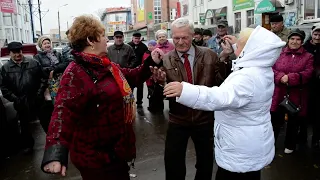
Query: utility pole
(59,28)
(40,17)
(31,19)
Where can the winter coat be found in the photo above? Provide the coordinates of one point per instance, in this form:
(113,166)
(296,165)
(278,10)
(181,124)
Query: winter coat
(88,117)
(122,55)
(139,51)
(243,132)
(150,81)
(165,47)
(46,63)
(292,63)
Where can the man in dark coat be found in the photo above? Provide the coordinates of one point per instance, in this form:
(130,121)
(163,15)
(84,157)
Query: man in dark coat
(139,49)
(21,84)
(313,47)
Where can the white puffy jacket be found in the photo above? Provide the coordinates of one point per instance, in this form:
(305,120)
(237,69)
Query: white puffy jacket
(243,132)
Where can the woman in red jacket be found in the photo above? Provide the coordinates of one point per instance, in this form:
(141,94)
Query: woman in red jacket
(294,61)
(94,109)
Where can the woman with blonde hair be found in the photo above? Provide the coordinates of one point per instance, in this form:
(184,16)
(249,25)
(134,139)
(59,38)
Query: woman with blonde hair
(163,43)
(243,136)
(94,109)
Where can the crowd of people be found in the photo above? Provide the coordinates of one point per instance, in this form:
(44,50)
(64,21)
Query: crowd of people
(230,95)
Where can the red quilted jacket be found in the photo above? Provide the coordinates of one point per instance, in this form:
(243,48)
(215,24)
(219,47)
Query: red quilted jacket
(88,118)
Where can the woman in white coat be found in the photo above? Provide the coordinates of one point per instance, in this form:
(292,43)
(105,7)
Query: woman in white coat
(244,141)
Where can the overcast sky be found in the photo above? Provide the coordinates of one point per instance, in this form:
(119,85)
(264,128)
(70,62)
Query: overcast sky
(74,8)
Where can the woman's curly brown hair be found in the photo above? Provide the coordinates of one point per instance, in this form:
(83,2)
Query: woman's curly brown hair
(83,27)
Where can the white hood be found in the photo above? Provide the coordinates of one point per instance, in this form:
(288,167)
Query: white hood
(262,49)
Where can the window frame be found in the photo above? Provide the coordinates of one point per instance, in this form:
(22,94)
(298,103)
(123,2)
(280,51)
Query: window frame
(236,21)
(317,13)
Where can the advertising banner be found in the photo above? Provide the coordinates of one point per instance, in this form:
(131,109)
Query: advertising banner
(242,4)
(185,7)
(7,6)
(140,10)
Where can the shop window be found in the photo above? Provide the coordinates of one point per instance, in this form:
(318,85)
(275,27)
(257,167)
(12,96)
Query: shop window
(237,17)
(309,9)
(250,17)
(9,34)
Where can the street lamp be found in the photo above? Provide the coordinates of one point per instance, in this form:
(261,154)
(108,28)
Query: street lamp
(59,22)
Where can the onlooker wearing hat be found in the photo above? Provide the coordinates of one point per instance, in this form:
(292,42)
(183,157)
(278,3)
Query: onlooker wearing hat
(293,65)
(313,47)
(214,43)
(198,37)
(121,53)
(21,81)
(139,49)
(52,66)
(66,52)
(163,43)
(278,28)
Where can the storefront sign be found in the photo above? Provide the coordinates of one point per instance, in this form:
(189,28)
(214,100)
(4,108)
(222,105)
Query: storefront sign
(202,18)
(7,6)
(116,9)
(209,14)
(221,12)
(150,15)
(242,4)
(264,6)
(116,22)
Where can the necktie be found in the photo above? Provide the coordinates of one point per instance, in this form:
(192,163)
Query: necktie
(187,66)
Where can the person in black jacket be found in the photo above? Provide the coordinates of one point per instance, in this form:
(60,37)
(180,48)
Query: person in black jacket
(139,49)
(312,45)
(52,66)
(22,82)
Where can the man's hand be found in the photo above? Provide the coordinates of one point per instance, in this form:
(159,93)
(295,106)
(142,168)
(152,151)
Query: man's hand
(55,167)
(173,89)
(231,39)
(158,75)
(157,55)
(285,79)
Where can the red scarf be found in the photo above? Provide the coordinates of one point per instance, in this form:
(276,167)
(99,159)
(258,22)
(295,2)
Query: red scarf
(128,97)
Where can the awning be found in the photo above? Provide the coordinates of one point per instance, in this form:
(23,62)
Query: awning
(211,13)
(221,12)
(268,6)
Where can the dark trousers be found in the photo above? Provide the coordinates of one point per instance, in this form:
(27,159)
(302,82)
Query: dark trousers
(296,131)
(155,99)
(45,114)
(223,174)
(316,130)
(176,146)
(115,171)
(25,118)
(140,94)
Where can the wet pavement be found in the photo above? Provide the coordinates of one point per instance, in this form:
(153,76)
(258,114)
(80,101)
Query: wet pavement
(150,133)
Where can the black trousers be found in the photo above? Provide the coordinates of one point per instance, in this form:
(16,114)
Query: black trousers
(45,114)
(155,99)
(223,174)
(296,131)
(176,146)
(25,118)
(139,94)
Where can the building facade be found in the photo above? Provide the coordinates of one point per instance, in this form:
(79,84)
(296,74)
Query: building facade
(116,19)
(152,15)
(15,23)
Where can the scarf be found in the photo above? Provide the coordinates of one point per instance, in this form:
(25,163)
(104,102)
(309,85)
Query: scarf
(53,58)
(128,97)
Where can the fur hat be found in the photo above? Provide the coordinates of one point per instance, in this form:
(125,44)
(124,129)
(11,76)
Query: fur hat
(297,32)
(41,39)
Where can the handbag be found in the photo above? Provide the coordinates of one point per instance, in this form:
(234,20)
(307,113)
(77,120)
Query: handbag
(289,106)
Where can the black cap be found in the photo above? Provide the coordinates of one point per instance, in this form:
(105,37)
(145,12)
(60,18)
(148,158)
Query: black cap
(276,18)
(118,33)
(297,32)
(136,34)
(222,22)
(207,32)
(14,46)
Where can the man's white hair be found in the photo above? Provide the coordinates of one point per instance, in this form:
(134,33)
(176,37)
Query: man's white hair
(182,22)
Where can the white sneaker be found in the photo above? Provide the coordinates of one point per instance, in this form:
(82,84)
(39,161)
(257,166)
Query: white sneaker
(288,151)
